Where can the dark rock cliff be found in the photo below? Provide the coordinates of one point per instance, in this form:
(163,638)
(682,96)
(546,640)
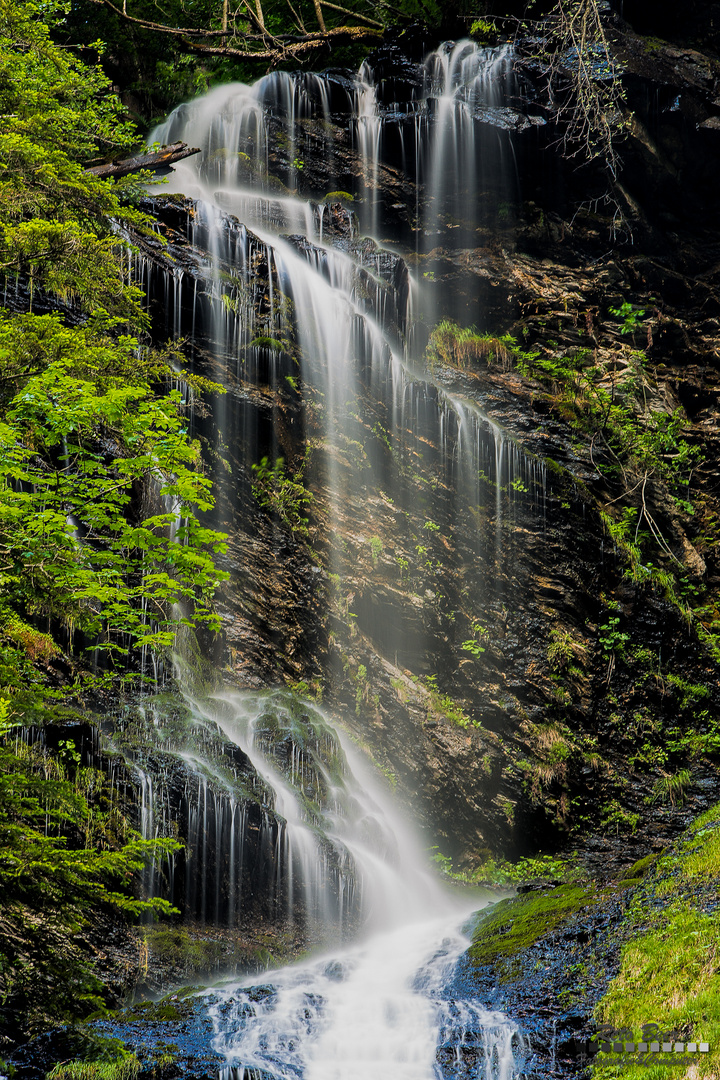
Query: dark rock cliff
(555,747)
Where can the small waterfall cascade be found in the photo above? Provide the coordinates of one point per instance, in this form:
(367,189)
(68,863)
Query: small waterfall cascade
(260,788)
(452,136)
(380,1008)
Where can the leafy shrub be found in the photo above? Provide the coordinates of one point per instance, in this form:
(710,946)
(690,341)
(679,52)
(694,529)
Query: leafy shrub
(284,496)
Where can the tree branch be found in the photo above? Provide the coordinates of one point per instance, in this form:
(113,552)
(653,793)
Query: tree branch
(319,15)
(282,46)
(289,48)
(152,160)
(355,14)
(160,27)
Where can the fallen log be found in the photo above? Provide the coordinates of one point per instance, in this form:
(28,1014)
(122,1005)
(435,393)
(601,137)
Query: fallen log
(155,159)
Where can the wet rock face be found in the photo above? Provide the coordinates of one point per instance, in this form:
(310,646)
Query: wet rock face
(465,719)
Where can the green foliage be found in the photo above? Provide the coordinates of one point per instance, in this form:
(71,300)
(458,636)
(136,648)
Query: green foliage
(62,850)
(612,639)
(285,496)
(531,868)
(444,862)
(376,547)
(403,567)
(642,450)
(482,31)
(179,80)
(101,498)
(630,317)
(690,694)
(472,645)
(672,789)
(56,220)
(84,429)
(614,818)
(50,95)
(443,705)
(77,438)
(126,1068)
(361,691)
(271,344)
(560,650)
(464,347)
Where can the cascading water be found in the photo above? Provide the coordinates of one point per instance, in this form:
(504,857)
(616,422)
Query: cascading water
(379,1003)
(286,285)
(348,324)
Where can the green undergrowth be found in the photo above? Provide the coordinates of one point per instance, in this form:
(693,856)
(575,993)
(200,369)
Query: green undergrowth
(175,945)
(443,705)
(200,955)
(125,1069)
(669,973)
(531,868)
(283,495)
(513,925)
(465,348)
(99,480)
(652,959)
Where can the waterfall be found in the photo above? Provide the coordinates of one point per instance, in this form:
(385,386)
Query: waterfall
(331,850)
(339,303)
(379,1003)
(290,279)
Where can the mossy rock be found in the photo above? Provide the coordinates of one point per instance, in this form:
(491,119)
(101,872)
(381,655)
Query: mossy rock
(554,467)
(153,1012)
(174,944)
(639,869)
(512,926)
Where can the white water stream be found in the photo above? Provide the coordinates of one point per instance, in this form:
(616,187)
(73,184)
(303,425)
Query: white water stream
(379,1007)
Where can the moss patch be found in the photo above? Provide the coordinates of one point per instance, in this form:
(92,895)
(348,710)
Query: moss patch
(641,867)
(669,971)
(192,953)
(516,924)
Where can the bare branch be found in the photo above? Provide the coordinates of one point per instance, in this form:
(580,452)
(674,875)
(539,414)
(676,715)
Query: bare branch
(319,15)
(160,27)
(355,14)
(271,49)
(584,83)
(298,19)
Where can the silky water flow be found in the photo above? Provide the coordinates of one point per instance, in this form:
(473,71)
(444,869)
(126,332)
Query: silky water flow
(375,1000)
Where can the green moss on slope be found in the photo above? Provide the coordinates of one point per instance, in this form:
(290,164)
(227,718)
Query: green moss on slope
(670,969)
(513,925)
